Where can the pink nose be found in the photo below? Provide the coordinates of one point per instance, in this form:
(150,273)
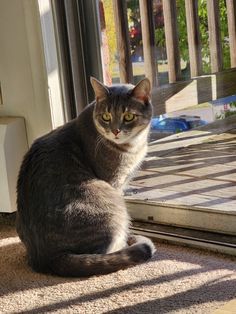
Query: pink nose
(116,132)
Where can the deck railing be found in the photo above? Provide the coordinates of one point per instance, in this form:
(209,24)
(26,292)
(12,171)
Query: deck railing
(180,94)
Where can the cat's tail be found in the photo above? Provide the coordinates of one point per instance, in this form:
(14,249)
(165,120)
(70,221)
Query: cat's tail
(85,265)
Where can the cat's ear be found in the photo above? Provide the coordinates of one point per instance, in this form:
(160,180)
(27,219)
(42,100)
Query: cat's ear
(142,91)
(100,90)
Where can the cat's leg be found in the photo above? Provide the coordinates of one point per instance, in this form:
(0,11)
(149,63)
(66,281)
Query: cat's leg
(121,242)
(112,213)
(118,243)
(128,240)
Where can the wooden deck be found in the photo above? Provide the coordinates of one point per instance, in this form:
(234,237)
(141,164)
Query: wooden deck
(189,180)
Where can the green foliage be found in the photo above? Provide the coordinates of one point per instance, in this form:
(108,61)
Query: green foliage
(160,37)
(225,114)
(204,35)
(134,17)
(133,5)
(228,113)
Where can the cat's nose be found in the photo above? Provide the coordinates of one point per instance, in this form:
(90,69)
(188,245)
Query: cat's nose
(116,132)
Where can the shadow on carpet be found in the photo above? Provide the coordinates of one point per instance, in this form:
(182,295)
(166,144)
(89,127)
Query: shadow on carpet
(176,280)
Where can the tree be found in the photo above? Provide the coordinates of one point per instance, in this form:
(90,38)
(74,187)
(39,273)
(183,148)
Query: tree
(183,43)
(182,29)
(136,39)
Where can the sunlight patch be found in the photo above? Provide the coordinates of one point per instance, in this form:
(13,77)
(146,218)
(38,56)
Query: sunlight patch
(9,240)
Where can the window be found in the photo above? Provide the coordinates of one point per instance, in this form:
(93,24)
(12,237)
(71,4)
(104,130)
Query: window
(188,51)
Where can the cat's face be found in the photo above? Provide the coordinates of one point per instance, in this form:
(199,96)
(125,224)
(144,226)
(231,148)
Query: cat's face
(122,112)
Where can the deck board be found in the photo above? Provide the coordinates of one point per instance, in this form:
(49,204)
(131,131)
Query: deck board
(195,170)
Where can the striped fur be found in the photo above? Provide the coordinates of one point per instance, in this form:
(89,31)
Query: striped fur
(71,214)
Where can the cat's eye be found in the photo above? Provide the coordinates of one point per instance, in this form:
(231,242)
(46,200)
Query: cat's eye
(106,116)
(128,116)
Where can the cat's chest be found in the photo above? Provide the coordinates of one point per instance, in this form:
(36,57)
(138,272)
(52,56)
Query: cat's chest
(117,168)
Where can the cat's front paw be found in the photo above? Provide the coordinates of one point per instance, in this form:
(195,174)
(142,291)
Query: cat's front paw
(139,239)
(145,240)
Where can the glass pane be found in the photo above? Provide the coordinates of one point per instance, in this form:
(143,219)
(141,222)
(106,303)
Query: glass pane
(201,55)
(187,49)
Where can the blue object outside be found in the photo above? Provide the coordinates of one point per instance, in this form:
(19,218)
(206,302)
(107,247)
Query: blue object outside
(174,125)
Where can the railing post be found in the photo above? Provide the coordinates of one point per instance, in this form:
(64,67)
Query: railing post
(123,44)
(231,14)
(194,41)
(148,37)
(172,44)
(214,35)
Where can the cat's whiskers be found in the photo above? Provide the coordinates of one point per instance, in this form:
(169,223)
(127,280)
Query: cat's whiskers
(99,141)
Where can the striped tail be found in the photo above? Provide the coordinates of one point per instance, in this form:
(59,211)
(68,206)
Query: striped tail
(85,265)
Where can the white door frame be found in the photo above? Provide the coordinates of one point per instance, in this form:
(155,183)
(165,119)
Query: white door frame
(52,65)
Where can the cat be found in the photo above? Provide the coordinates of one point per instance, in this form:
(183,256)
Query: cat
(71,213)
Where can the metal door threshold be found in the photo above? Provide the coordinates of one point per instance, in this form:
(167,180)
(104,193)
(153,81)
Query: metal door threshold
(216,242)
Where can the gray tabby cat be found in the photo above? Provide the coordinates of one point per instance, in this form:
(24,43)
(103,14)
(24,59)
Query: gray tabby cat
(71,215)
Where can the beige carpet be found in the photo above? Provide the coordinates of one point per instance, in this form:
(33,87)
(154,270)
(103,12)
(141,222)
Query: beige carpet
(176,280)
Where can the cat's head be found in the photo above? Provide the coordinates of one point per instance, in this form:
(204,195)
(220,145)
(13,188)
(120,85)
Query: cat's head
(122,112)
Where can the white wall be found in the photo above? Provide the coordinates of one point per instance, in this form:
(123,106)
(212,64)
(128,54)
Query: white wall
(22,66)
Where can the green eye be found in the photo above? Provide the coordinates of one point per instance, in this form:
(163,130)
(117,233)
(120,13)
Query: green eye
(106,116)
(129,116)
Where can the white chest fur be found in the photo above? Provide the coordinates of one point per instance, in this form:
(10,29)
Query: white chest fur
(131,160)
